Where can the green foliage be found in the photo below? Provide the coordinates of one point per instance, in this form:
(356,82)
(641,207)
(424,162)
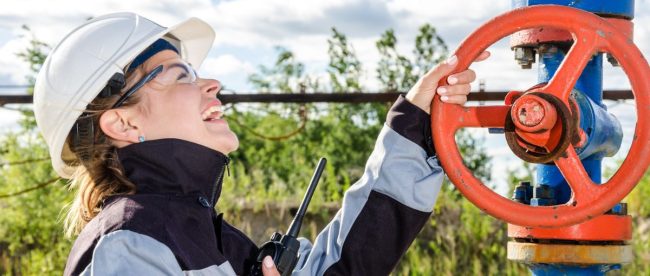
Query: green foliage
(430,49)
(31,235)
(395,71)
(34,55)
(637,200)
(344,67)
(285,166)
(286,75)
(526,172)
(459,240)
(269,173)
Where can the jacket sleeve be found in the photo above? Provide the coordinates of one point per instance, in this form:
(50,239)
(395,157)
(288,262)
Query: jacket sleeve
(383,212)
(124,252)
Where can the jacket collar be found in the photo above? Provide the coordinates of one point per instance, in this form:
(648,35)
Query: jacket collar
(174,166)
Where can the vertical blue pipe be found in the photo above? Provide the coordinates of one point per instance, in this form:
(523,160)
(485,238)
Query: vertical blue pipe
(590,84)
(589,270)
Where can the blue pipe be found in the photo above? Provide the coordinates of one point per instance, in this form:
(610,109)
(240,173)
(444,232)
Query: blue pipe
(604,132)
(614,8)
(556,269)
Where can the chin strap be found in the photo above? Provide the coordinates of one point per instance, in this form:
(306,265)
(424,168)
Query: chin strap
(83,131)
(114,86)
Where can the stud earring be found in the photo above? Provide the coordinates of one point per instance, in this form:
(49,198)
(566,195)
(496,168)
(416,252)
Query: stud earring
(141,138)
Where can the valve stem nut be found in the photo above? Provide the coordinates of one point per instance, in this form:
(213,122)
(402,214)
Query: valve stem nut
(612,60)
(543,195)
(525,57)
(618,209)
(523,192)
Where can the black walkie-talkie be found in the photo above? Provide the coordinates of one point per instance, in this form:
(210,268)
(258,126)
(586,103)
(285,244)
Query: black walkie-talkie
(284,248)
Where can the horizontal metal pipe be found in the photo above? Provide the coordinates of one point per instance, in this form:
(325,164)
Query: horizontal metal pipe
(321,97)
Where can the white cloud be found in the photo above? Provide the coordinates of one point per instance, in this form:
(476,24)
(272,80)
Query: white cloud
(10,65)
(8,120)
(247,31)
(225,65)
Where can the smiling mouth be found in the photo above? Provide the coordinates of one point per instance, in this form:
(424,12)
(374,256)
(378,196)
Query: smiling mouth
(212,113)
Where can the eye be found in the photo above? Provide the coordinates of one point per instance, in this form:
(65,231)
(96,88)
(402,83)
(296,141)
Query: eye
(182,76)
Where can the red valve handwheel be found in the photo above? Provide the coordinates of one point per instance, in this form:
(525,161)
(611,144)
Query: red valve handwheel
(591,34)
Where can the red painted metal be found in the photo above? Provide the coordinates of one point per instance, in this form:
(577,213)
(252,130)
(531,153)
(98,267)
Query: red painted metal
(591,34)
(533,114)
(537,126)
(601,228)
(534,37)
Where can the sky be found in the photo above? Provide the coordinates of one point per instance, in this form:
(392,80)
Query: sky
(249,30)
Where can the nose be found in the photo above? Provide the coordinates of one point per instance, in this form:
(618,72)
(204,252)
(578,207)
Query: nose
(211,87)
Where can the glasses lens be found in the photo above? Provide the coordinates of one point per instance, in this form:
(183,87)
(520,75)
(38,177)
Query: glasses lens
(176,73)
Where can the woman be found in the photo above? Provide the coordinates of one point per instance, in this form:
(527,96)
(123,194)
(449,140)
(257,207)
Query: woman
(144,142)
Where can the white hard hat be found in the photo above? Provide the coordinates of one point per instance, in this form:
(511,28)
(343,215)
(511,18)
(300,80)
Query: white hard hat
(81,65)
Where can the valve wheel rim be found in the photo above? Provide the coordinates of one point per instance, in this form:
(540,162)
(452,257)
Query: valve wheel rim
(588,199)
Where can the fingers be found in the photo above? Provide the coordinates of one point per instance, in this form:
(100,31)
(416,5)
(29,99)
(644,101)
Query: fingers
(456,94)
(483,56)
(448,66)
(464,77)
(456,99)
(452,90)
(268,267)
(443,69)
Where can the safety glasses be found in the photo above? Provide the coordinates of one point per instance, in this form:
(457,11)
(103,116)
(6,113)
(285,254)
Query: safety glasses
(177,72)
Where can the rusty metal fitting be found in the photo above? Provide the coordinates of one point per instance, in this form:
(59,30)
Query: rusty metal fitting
(531,113)
(523,192)
(569,253)
(525,56)
(612,60)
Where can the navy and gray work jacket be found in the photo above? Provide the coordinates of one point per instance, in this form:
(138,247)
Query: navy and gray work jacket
(169,226)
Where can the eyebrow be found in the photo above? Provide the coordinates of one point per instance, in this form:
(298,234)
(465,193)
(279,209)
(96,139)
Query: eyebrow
(180,65)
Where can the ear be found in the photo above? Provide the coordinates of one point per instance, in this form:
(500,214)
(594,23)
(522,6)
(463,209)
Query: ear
(119,126)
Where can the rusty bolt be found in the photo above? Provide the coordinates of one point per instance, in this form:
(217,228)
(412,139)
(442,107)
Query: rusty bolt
(525,56)
(612,60)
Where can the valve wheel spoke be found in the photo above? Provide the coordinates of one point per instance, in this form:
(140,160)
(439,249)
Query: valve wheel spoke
(584,189)
(477,116)
(584,47)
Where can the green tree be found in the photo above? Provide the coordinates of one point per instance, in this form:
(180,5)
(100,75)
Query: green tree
(31,194)
(331,130)
(395,72)
(344,67)
(430,49)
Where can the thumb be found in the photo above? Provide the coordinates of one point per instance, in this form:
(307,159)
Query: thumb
(268,267)
(443,69)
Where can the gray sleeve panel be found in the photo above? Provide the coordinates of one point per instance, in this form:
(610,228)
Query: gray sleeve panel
(397,168)
(125,252)
(400,169)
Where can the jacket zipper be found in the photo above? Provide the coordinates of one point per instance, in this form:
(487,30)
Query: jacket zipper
(219,181)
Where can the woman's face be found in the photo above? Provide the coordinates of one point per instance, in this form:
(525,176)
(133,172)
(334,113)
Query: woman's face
(187,111)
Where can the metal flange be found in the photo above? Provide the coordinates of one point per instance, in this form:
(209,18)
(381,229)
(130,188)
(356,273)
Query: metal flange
(569,253)
(601,228)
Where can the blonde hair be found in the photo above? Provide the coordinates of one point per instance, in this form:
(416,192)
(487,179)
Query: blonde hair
(99,173)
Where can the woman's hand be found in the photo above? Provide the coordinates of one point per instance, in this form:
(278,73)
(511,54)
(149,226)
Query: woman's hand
(456,92)
(268,267)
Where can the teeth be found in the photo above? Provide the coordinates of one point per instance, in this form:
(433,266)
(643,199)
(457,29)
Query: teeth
(209,111)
